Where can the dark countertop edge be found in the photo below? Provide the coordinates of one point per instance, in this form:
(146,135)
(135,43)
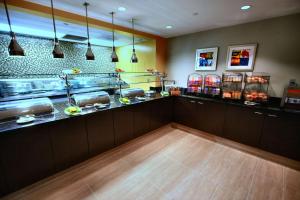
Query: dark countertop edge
(117,105)
(237,103)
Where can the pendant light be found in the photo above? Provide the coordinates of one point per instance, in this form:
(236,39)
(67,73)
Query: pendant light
(89,53)
(134,58)
(57,52)
(114,56)
(14,48)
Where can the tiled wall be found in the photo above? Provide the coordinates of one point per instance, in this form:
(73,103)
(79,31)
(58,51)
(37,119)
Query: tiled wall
(39,59)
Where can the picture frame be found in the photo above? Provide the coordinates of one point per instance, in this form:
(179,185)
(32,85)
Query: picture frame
(241,57)
(206,59)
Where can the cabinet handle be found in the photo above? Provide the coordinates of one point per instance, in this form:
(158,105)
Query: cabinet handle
(270,115)
(192,101)
(201,103)
(258,113)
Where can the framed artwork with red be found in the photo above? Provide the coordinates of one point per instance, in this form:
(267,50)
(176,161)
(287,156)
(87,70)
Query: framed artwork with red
(206,59)
(241,57)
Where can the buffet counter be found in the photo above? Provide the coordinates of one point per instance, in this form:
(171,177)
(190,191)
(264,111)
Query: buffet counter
(272,106)
(60,104)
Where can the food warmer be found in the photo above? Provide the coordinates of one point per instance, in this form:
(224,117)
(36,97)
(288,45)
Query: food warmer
(212,85)
(194,83)
(27,107)
(256,87)
(232,85)
(291,96)
(132,92)
(89,99)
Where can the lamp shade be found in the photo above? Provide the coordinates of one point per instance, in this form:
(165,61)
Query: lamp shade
(114,56)
(89,53)
(57,52)
(14,48)
(134,58)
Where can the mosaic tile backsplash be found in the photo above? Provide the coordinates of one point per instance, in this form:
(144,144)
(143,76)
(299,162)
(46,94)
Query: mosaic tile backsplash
(39,60)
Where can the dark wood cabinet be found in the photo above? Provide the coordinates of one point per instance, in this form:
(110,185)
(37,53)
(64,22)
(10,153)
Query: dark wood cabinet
(123,124)
(185,111)
(32,153)
(69,141)
(161,112)
(281,134)
(210,117)
(141,119)
(200,114)
(100,130)
(243,124)
(26,157)
(3,183)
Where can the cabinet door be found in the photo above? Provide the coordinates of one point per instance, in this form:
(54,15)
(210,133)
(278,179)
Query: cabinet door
(26,156)
(281,134)
(243,125)
(185,111)
(69,140)
(3,183)
(161,112)
(123,124)
(100,129)
(210,117)
(141,118)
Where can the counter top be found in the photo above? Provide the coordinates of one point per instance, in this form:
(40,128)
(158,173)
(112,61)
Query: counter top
(59,106)
(61,103)
(275,107)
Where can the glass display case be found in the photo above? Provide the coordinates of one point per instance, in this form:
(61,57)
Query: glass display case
(194,83)
(232,85)
(212,85)
(256,87)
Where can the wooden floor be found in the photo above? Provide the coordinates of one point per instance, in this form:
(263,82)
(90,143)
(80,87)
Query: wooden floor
(170,164)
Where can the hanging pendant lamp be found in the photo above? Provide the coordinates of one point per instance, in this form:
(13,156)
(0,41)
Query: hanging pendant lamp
(14,48)
(89,53)
(134,58)
(114,56)
(57,52)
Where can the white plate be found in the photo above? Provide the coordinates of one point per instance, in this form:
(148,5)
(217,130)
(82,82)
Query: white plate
(100,105)
(141,98)
(25,120)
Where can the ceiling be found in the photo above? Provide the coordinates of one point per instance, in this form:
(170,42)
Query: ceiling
(33,25)
(186,16)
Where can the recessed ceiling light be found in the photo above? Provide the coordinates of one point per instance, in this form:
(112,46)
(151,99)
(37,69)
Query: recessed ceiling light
(122,9)
(246,7)
(169,27)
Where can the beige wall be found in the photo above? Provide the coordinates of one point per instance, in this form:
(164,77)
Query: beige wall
(278,50)
(146,53)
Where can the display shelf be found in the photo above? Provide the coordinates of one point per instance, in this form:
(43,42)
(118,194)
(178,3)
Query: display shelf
(195,83)
(212,85)
(256,87)
(232,85)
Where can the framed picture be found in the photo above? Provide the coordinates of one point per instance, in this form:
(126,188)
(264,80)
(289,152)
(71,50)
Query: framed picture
(241,57)
(206,59)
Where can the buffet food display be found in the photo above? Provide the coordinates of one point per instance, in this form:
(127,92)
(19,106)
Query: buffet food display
(25,109)
(256,87)
(194,83)
(92,98)
(212,85)
(232,85)
(132,92)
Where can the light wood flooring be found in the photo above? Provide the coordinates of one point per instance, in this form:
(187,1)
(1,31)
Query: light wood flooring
(170,164)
